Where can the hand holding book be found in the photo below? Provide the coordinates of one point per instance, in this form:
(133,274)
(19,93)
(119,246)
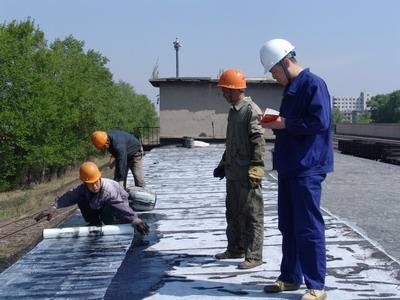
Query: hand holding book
(269,115)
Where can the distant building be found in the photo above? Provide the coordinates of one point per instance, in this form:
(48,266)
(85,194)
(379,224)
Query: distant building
(352,106)
(195,107)
(347,116)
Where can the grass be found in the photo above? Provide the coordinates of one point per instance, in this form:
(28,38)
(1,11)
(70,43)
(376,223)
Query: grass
(19,203)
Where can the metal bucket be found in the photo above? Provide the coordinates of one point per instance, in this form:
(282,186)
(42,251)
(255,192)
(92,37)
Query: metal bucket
(188,142)
(141,198)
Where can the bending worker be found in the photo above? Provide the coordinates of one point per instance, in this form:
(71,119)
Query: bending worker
(127,151)
(243,165)
(303,156)
(100,200)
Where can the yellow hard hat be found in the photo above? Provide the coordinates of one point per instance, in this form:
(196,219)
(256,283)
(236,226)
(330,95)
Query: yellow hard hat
(89,172)
(99,139)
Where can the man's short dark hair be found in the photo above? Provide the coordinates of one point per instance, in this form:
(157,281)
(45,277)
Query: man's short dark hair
(291,56)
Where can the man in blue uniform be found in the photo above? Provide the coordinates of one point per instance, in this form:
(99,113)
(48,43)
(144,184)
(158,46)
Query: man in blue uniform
(127,151)
(303,156)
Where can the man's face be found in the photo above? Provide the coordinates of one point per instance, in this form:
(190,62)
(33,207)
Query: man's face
(94,187)
(231,95)
(106,145)
(279,74)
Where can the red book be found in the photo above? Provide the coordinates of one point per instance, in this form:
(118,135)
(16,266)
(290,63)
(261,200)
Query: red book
(269,115)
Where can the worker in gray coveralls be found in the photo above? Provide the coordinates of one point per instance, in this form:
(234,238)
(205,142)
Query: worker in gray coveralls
(101,201)
(243,165)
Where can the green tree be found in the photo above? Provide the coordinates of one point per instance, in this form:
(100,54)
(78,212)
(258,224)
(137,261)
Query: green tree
(52,98)
(337,116)
(386,108)
(22,47)
(364,118)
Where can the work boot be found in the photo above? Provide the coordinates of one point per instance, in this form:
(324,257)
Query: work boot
(228,255)
(314,295)
(249,263)
(280,286)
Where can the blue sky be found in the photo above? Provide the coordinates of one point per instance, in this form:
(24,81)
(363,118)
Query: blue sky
(354,45)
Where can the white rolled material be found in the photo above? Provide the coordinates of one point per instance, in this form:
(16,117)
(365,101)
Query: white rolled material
(69,232)
(200,144)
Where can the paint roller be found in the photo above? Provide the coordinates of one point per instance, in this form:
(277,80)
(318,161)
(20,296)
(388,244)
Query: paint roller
(71,232)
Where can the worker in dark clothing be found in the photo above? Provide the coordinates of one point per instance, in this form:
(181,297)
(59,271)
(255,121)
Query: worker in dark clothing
(243,165)
(303,156)
(101,201)
(127,151)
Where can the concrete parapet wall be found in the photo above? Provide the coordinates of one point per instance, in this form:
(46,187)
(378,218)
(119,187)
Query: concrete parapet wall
(387,131)
(196,108)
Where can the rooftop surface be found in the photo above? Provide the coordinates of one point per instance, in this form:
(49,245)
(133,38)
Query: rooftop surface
(188,228)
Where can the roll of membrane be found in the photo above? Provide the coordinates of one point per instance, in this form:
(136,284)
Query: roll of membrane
(70,232)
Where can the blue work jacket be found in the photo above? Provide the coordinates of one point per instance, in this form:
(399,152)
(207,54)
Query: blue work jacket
(304,147)
(123,146)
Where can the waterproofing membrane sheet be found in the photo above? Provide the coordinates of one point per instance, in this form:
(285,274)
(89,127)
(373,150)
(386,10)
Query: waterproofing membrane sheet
(66,268)
(192,230)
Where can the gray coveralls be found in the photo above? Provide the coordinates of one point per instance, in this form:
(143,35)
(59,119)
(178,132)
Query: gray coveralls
(109,206)
(245,147)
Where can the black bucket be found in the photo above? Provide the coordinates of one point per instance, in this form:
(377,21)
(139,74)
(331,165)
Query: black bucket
(188,142)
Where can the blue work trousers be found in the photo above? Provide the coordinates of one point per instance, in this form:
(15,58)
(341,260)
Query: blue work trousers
(303,231)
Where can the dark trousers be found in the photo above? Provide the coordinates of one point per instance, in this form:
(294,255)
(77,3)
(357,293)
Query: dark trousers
(244,218)
(303,231)
(97,217)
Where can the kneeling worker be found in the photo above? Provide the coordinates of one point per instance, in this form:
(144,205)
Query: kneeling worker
(127,151)
(100,200)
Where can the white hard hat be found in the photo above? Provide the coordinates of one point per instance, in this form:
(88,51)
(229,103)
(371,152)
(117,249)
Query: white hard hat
(273,51)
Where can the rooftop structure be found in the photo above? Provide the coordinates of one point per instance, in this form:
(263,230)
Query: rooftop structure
(195,107)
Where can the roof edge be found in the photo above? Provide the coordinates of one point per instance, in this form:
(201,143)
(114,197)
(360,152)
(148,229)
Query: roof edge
(156,82)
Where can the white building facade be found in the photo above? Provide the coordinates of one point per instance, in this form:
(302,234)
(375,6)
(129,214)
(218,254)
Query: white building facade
(351,106)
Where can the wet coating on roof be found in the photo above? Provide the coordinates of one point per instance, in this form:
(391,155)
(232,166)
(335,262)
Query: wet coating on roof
(194,230)
(66,268)
(187,229)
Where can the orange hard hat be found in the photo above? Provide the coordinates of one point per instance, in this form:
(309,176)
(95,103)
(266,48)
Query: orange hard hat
(89,172)
(99,139)
(232,79)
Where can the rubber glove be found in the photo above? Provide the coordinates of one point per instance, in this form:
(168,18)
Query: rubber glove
(141,226)
(49,213)
(255,176)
